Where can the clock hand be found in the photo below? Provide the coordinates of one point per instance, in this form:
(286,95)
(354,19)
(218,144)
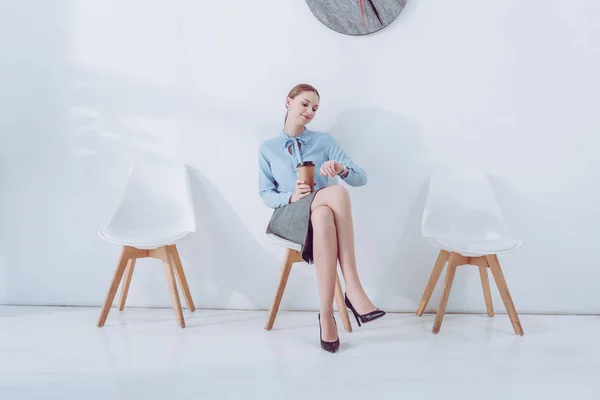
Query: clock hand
(376,12)
(362,12)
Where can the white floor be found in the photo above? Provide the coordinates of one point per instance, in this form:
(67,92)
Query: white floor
(59,353)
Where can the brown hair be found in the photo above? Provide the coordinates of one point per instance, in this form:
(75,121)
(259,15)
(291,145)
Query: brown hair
(296,90)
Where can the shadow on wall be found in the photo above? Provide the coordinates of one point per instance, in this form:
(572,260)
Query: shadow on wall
(393,258)
(225,262)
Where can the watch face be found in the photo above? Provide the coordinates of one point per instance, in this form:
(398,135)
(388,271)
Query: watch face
(356,17)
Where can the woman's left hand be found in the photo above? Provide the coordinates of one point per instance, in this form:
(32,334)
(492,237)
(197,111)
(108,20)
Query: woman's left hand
(331,168)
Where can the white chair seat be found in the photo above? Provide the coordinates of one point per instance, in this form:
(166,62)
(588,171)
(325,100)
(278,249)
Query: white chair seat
(284,242)
(143,239)
(462,215)
(156,208)
(475,247)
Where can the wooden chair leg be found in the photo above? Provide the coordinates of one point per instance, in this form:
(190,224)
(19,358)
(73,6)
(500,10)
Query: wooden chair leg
(433,280)
(180,274)
(487,294)
(288,261)
(126,283)
(504,293)
(168,263)
(341,305)
(112,291)
(451,271)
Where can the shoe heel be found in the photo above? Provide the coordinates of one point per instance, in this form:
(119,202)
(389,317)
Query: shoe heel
(331,347)
(357,320)
(349,305)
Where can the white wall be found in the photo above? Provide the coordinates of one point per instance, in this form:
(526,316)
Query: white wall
(510,87)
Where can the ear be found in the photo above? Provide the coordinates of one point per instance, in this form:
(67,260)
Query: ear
(288,102)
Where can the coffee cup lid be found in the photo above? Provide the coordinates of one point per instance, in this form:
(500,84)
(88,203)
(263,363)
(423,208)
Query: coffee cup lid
(305,164)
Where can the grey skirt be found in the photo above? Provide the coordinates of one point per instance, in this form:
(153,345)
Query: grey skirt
(292,222)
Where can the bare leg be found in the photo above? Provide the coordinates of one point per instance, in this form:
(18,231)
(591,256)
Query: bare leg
(325,255)
(338,200)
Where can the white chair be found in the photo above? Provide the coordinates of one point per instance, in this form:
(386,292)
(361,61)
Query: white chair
(292,255)
(154,213)
(463,218)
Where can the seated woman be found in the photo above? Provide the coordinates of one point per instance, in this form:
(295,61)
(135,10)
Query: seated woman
(320,220)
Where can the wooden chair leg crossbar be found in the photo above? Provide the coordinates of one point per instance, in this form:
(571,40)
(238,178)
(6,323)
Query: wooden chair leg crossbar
(173,270)
(483,263)
(291,257)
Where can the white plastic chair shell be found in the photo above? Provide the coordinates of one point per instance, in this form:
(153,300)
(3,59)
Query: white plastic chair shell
(156,208)
(462,215)
(284,242)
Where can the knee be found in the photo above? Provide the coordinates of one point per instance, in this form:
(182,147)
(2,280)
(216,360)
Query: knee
(339,194)
(322,216)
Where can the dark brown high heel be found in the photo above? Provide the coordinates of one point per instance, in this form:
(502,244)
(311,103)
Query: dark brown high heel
(364,318)
(331,347)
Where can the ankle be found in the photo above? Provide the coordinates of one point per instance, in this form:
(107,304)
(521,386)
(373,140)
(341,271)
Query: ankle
(354,292)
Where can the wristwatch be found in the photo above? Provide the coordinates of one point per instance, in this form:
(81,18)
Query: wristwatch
(344,171)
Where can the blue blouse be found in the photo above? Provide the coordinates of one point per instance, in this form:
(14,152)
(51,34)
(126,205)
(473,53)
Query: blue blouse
(277,172)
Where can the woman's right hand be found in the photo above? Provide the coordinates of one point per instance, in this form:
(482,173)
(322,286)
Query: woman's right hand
(302,190)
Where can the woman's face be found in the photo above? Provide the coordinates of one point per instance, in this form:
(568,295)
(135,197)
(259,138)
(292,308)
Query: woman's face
(302,108)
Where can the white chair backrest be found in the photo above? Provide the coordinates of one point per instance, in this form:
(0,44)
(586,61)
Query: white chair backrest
(157,196)
(461,205)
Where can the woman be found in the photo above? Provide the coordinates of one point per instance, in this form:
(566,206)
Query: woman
(320,221)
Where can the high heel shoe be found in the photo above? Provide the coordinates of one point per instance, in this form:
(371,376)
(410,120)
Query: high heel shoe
(364,318)
(331,347)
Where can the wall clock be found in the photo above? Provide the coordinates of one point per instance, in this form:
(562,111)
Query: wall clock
(356,17)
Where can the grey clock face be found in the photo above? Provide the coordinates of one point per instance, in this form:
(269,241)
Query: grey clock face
(345,16)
